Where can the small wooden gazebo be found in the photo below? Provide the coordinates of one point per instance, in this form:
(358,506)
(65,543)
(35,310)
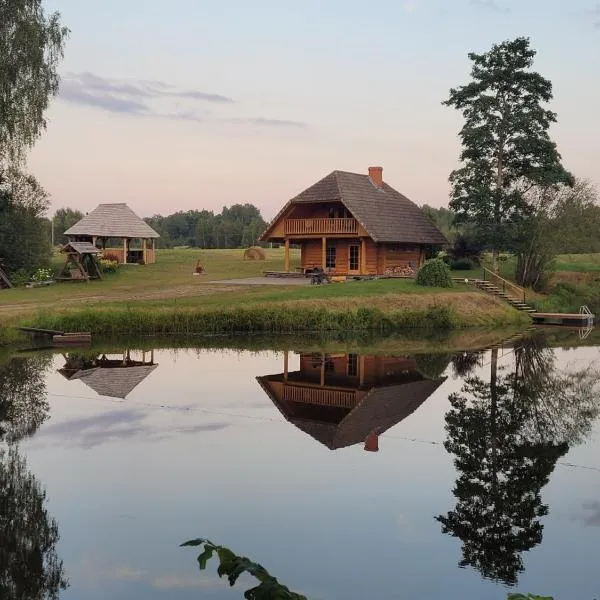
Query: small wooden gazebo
(81,262)
(118,230)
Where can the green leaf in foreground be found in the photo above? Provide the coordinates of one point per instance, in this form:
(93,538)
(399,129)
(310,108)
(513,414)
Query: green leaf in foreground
(232,566)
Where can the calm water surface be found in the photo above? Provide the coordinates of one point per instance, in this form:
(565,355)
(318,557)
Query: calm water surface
(348,476)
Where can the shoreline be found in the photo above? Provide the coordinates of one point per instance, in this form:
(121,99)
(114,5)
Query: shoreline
(367,315)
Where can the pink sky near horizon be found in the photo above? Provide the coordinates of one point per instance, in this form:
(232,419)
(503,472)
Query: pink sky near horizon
(290,110)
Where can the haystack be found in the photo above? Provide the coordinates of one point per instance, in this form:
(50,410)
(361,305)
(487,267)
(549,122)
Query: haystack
(254,253)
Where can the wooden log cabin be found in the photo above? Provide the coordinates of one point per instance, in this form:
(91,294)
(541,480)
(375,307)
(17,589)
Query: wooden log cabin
(118,230)
(346,399)
(352,224)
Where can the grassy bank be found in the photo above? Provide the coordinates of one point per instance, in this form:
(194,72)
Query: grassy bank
(166,299)
(353,314)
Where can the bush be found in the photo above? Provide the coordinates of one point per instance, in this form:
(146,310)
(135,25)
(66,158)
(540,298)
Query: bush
(108,266)
(110,256)
(20,278)
(462,264)
(434,273)
(42,275)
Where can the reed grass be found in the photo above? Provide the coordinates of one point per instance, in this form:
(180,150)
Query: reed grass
(259,319)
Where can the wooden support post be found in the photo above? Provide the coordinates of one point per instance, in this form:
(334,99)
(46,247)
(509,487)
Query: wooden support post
(324,253)
(322,367)
(144,250)
(124,251)
(94,240)
(286,359)
(363,256)
(286,256)
(361,370)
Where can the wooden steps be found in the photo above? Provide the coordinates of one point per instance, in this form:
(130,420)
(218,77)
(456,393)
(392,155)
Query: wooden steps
(495,290)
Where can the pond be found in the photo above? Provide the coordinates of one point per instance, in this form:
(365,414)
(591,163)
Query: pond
(348,475)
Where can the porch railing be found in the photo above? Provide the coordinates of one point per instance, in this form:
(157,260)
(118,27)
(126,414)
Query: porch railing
(321,396)
(504,284)
(320,226)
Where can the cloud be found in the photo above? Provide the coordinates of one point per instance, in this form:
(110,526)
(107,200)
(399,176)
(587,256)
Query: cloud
(127,574)
(89,432)
(592,516)
(152,98)
(261,121)
(492,5)
(90,82)
(181,582)
(165,581)
(108,102)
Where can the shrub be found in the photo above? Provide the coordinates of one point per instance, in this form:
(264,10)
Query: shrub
(42,275)
(108,266)
(110,256)
(462,264)
(434,273)
(20,278)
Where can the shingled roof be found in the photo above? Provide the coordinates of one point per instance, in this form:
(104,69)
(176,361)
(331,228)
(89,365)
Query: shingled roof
(112,221)
(114,382)
(386,214)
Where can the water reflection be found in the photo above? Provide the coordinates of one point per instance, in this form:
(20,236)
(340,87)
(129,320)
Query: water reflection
(346,399)
(23,403)
(506,435)
(112,375)
(30,568)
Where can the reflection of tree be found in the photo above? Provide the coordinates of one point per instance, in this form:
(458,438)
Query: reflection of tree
(29,566)
(433,365)
(464,363)
(507,436)
(23,405)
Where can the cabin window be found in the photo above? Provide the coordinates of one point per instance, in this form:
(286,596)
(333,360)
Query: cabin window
(354,258)
(352,365)
(329,365)
(331,212)
(330,257)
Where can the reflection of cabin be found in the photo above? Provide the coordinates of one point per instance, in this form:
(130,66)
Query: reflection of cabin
(113,377)
(346,399)
(119,231)
(353,224)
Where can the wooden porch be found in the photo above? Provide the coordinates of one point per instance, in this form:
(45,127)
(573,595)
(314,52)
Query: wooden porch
(320,226)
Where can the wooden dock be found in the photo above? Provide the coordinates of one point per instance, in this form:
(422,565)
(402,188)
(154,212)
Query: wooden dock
(59,338)
(581,319)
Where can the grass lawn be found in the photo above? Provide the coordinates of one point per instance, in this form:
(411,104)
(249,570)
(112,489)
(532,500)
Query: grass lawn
(158,291)
(581,263)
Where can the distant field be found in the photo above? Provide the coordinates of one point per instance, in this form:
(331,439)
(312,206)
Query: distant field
(582,263)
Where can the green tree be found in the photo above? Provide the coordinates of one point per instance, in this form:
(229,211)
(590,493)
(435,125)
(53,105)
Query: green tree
(64,218)
(24,233)
(31,47)
(506,146)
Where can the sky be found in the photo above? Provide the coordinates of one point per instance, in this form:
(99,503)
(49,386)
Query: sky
(196,104)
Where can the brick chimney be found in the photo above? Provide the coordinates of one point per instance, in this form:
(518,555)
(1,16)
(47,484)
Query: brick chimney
(376,176)
(372,442)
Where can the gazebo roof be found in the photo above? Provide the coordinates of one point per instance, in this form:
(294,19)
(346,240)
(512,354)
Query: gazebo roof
(81,248)
(114,382)
(112,221)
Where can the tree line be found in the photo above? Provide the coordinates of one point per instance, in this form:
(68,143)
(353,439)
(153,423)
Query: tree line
(238,226)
